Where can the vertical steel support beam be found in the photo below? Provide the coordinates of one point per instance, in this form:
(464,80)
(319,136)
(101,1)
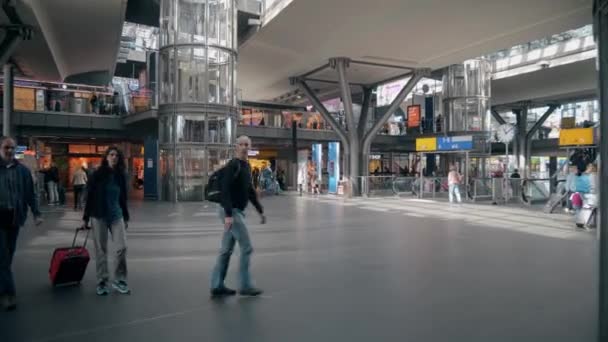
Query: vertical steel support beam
(367,97)
(541,121)
(340,64)
(371,134)
(421,177)
(364,155)
(467,167)
(310,94)
(600,9)
(7,112)
(321,108)
(8,46)
(522,129)
(533,130)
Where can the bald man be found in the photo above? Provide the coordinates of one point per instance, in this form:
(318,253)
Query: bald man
(16,195)
(236,191)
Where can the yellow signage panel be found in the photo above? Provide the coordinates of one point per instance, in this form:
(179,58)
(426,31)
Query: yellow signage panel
(426,144)
(576,136)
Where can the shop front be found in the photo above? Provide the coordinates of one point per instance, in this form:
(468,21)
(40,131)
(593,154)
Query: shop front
(68,157)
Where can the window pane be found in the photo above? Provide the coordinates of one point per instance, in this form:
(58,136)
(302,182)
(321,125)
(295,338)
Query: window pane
(220,77)
(191,74)
(166,75)
(191,22)
(190,178)
(191,128)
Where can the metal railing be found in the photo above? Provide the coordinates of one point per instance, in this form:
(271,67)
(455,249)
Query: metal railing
(528,191)
(378,185)
(406,186)
(433,187)
(481,189)
(535,191)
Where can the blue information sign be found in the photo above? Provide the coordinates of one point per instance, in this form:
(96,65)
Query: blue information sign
(455,143)
(333,166)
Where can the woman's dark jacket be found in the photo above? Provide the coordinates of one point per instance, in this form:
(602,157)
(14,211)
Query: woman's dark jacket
(96,204)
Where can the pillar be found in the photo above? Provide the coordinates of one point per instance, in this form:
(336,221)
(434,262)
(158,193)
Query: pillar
(197,94)
(552,171)
(522,147)
(354,148)
(601,39)
(8,100)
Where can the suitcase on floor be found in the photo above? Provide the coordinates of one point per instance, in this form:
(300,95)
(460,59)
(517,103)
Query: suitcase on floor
(68,264)
(585,217)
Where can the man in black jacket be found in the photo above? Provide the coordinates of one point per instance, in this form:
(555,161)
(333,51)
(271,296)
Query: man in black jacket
(237,190)
(16,195)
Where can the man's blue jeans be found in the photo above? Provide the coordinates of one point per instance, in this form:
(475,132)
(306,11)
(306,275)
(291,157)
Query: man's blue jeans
(239,233)
(454,190)
(8,243)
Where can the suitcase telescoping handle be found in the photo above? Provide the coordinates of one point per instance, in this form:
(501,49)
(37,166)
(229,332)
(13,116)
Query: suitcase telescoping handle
(86,238)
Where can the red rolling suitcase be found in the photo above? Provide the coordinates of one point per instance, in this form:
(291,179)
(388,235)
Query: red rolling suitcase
(68,264)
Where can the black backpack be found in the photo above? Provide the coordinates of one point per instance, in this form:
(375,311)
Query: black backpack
(213,190)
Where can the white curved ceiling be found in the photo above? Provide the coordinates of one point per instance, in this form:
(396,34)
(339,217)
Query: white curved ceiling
(564,82)
(71,37)
(417,33)
(83,35)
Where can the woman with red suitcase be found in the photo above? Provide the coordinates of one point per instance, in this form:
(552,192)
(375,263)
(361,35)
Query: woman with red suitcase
(106,208)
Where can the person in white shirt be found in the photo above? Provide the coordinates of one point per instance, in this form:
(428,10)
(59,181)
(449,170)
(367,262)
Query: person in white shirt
(454,179)
(591,197)
(79,181)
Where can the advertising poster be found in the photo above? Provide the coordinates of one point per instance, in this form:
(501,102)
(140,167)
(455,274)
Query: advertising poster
(317,158)
(333,166)
(151,170)
(24,99)
(39,100)
(302,170)
(413,116)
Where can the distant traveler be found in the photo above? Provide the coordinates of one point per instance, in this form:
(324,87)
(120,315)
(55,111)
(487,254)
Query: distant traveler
(256,177)
(236,191)
(439,123)
(582,182)
(570,187)
(16,195)
(454,179)
(106,207)
(516,183)
(79,181)
(52,180)
(281,179)
(94,103)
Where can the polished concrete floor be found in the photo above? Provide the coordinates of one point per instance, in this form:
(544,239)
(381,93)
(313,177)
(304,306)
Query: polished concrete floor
(333,270)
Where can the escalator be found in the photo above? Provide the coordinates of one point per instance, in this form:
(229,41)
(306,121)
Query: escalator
(556,199)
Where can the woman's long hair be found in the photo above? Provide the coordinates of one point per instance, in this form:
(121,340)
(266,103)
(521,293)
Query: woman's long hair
(105,170)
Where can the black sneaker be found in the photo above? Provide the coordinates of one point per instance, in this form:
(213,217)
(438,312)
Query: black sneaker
(251,292)
(222,291)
